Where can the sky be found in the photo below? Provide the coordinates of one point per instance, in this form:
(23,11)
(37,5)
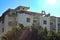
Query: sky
(49,6)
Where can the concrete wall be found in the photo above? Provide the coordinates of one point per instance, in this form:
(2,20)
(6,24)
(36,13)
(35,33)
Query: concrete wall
(6,28)
(45,25)
(4,25)
(53,20)
(22,18)
(1,26)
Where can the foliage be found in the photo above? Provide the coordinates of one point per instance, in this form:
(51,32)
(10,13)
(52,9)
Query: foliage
(36,33)
(13,34)
(46,35)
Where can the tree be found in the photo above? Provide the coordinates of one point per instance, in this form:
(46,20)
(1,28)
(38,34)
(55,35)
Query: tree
(13,34)
(21,25)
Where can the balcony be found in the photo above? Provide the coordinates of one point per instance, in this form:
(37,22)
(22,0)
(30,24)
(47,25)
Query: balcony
(12,23)
(12,14)
(12,19)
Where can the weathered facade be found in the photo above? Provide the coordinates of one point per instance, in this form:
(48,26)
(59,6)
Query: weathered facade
(20,15)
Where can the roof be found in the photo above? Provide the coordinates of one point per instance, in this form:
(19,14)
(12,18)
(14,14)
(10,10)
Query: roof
(26,12)
(22,7)
(31,13)
(3,15)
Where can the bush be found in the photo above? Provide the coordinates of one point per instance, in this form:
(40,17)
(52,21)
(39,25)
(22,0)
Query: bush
(36,34)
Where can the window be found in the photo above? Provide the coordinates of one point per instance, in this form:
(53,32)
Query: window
(23,8)
(34,21)
(14,14)
(21,11)
(2,29)
(51,23)
(44,22)
(12,23)
(58,24)
(28,19)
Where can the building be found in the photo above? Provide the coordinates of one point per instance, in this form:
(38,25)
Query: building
(20,15)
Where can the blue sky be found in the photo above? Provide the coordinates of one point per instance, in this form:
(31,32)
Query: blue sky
(52,7)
